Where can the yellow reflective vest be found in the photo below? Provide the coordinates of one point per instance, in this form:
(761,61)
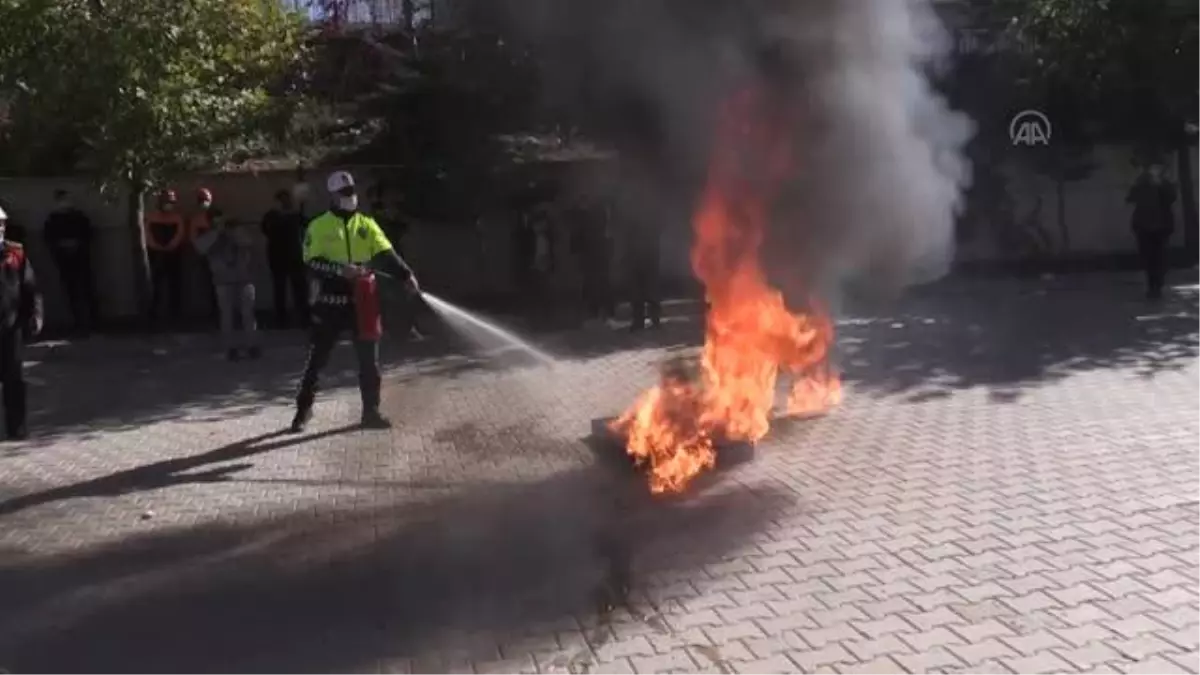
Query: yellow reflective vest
(331,242)
(356,240)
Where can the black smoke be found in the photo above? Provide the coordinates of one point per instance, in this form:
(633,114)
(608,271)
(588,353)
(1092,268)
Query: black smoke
(879,169)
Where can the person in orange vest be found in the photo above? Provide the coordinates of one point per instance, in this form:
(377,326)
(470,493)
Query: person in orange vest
(165,233)
(202,223)
(20,319)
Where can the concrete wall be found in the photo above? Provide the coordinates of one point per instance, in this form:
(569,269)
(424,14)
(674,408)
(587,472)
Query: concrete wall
(1096,213)
(474,261)
(455,260)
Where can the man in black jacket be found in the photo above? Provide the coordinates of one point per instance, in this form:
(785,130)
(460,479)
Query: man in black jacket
(1153,221)
(20,314)
(68,236)
(283,227)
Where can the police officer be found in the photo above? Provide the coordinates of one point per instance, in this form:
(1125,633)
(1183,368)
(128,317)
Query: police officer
(340,246)
(20,313)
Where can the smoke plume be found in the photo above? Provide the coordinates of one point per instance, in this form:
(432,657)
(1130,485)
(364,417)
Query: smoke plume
(881,169)
(879,155)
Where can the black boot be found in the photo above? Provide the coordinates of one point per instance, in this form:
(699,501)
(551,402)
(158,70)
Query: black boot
(373,419)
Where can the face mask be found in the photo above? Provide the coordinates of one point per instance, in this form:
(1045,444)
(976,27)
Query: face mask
(348,203)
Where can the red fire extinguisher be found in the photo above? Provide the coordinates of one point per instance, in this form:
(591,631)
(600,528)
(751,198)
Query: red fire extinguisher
(366,305)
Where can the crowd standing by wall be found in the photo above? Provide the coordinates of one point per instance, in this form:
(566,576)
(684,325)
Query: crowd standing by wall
(470,260)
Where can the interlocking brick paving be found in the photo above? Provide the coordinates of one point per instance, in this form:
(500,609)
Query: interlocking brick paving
(1009,487)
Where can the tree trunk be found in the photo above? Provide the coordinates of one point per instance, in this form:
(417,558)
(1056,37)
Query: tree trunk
(1064,232)
(1187,199)
(135,213)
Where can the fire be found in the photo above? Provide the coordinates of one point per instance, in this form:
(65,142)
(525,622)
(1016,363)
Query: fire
(750,335)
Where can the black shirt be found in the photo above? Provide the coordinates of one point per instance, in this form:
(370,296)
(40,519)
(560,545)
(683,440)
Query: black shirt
(67,229)
(284,231)
(1152,206)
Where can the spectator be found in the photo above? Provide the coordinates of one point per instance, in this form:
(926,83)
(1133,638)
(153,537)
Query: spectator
(644,263)
(1153,221)
(165,233)
(68,236)
(229,250)
(593,246)
(200,224)
(283,226)
(523,251)
(395,226)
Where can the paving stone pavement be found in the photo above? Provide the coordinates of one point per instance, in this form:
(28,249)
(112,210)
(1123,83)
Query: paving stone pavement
(1009,487)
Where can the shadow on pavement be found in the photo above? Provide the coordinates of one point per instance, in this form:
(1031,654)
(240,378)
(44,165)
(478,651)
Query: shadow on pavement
(81,390)
(1002,335)
(497,563)
(1007,341)
(110,384)
(170,472)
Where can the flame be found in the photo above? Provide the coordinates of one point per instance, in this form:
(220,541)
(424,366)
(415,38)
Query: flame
(750,335)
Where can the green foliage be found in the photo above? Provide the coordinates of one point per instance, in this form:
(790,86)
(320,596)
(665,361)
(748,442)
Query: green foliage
(1114,70)
(1130,64)
(439,107)
(133,90)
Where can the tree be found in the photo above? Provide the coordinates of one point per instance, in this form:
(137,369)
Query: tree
(132,91)
(1130,65)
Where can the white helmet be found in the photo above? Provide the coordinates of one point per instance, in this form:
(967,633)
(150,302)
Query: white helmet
(338,181)
(3,215)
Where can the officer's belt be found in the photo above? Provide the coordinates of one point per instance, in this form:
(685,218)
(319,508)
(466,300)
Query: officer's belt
(327,299)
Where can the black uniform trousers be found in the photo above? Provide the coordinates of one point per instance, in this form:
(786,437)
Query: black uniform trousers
(13,378)
(166,282)
(328,325)
(208,291)
(75,274)
(288,277)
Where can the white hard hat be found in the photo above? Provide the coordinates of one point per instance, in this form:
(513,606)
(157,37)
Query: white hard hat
(3,215)
(338,181)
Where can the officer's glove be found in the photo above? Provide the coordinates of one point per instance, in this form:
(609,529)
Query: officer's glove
(412,285)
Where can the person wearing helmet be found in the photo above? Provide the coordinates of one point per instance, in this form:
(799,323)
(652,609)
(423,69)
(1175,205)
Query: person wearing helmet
(340,246)
(200,224)
(20,315)
(165,234)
